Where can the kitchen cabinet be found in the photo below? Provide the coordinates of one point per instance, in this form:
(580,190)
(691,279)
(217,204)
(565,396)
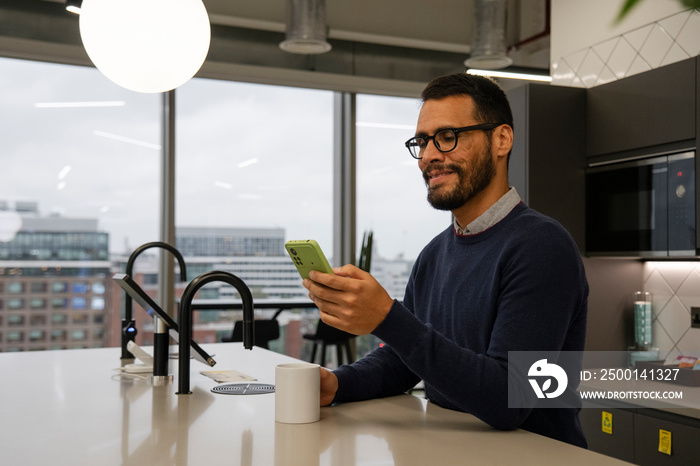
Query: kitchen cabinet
(618,442)
(548,159)
(635,435)
(652,112)
(681,446)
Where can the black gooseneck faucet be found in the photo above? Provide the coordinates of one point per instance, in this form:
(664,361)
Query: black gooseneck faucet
(160,340)
(184,320)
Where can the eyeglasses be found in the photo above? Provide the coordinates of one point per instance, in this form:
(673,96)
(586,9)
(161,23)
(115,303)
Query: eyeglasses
(445,140)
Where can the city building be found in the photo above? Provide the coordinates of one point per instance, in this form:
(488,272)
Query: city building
(54,276)
(256,256)
(228,242)
(56,290)
(271,279)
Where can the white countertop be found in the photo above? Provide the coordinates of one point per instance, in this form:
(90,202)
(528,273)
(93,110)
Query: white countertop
(69,407)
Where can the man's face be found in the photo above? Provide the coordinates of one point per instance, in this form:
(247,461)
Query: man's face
(453,178)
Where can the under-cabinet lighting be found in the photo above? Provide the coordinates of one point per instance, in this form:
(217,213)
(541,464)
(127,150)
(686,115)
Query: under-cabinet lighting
(510,75)
(74,6)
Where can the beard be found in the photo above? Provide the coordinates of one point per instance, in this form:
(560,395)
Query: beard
(471,181)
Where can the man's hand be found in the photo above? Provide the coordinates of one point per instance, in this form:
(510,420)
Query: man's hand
(351,300)
(329,386)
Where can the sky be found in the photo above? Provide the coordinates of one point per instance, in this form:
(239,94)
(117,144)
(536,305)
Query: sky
(247,155)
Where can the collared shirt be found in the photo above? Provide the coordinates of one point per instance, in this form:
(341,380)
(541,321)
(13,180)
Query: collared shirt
(492,216)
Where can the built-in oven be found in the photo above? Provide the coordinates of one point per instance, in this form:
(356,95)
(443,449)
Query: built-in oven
(642,208)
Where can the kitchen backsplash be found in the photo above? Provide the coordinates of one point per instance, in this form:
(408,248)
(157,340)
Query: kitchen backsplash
(661,43)
(676,288)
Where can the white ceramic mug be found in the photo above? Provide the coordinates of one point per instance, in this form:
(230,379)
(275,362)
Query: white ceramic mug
(297,393)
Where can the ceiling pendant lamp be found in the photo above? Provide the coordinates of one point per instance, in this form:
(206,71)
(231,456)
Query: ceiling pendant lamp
(306,27)
(146,45)
(489,44)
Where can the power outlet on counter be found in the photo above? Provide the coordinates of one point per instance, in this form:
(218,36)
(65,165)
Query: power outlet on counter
(695,317)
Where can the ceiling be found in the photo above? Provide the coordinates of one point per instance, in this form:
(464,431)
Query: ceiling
(398,40)
(445,25)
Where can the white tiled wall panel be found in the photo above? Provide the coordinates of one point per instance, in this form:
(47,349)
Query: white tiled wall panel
(675,288)
(664,42)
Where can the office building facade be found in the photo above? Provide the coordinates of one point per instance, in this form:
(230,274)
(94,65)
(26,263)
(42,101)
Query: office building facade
(54,275)
(56,290)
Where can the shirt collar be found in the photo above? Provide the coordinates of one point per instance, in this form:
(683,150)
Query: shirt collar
(492,216)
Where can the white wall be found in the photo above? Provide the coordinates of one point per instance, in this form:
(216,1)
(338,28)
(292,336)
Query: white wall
(589,48)
(577,24)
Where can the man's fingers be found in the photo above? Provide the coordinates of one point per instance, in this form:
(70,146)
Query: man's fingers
(318,292)
(338,280)
(333,321)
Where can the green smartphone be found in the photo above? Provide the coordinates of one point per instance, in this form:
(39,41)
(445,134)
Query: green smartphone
(307,256)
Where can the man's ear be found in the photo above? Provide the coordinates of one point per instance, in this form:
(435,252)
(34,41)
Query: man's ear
(502,140)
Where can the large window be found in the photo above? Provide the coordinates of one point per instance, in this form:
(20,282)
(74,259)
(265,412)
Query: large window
(79,183)
(81,180)
(255,156)
(254,168)
(76,146)
(391,193)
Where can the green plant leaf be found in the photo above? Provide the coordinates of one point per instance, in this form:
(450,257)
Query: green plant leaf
(629,4)
(691,3)
(626,7)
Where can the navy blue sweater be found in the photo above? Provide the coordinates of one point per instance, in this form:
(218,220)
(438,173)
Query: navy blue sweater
(518,286)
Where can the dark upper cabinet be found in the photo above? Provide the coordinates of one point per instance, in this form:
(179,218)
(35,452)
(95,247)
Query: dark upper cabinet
(547,164)
(559,131)
(648,111)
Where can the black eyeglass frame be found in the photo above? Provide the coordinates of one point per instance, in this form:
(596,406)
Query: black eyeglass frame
(456,131)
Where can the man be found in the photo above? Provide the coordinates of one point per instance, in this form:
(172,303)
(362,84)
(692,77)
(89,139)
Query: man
(501,278)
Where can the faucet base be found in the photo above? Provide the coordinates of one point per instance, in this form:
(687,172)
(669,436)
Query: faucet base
(160,380)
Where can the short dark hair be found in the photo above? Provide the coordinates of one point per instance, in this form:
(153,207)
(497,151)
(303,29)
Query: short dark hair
(490,101)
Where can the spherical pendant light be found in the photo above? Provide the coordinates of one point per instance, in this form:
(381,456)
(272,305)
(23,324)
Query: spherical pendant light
(146,45)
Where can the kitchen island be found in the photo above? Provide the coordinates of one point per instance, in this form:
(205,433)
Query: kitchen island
(72,407)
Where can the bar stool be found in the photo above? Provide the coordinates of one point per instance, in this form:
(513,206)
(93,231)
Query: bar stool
(330,336)
(265,331)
